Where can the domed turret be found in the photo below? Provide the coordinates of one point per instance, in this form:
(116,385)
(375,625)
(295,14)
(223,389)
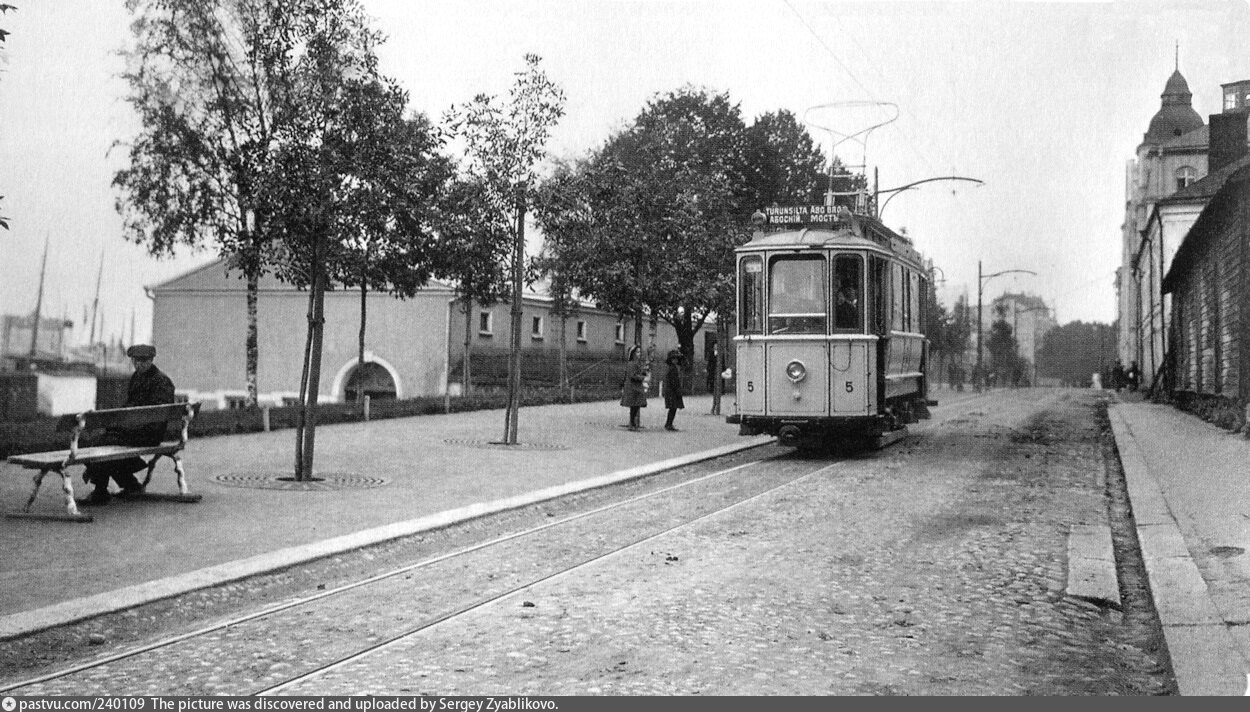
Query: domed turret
(1176,116)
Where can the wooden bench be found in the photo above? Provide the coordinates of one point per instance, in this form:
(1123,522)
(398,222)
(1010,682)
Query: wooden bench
(59,461)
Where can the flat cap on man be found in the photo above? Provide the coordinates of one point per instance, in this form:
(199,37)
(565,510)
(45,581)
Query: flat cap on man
(142,351)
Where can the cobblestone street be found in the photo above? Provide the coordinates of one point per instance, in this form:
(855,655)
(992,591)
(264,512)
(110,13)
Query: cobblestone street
(935,567)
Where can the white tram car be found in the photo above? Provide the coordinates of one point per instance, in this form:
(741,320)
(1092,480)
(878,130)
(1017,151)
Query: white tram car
(830,347)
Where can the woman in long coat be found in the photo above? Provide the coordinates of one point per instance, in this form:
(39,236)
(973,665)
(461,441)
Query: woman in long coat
(672,387)
(634,390)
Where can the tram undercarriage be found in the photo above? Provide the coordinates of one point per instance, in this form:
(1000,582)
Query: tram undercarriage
(840,433)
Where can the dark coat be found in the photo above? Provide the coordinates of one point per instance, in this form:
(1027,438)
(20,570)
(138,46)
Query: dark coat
(151,387)
(633,393)
(672,387)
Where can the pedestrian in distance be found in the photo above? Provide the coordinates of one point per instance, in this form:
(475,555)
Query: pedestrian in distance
(672,387)
(634,389)
(1134,376)
(1117,375)
(711,368)
(148,386)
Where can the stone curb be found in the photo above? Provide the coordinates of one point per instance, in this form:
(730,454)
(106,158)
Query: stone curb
(1204,657)
(27,622)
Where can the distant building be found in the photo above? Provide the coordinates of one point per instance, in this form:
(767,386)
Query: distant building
(1171,156)
(17,336)
(413,346)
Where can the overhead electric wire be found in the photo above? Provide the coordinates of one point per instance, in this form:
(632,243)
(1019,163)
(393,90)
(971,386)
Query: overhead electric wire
(820,40)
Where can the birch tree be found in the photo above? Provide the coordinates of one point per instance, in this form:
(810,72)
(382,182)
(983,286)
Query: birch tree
(504,143)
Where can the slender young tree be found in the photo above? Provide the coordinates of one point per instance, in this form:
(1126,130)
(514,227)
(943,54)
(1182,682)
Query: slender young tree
(202,77)
(390,197)
(504,143)
(474,242)
(327,160)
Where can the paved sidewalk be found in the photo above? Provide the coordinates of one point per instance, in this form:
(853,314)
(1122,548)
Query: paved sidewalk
(1190,494)
(384,479)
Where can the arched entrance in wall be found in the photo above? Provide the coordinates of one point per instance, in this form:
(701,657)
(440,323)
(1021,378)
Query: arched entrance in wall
(377,377)
(373,379)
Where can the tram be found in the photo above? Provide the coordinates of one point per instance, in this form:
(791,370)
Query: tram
(830,344)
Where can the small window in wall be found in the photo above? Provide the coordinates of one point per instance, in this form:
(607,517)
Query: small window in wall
(1185,175)
(581,331)
(620,333)
(484,323)
(536,327)
(236,402)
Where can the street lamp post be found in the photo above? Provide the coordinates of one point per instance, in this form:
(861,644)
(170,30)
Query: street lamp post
(909,186)
(981,280)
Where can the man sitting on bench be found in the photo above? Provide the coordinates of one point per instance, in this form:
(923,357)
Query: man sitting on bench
(148,386)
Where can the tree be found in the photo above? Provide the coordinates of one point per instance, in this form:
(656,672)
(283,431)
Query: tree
(652,218)
(784,164)
(394,178)
(1006,365)
(203,77)
(474,242)
(1072,353)
(647,225)
(504,144)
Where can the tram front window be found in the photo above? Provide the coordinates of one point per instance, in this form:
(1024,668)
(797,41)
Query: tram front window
(796,295)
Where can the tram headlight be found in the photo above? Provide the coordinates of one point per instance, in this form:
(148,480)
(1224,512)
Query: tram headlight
(796,371)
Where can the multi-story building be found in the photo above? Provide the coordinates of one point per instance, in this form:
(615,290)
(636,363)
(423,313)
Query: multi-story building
(1172,155)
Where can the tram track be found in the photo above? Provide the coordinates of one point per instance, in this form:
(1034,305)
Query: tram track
(280,645)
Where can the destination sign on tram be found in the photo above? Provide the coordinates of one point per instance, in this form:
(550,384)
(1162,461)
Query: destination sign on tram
(803,214)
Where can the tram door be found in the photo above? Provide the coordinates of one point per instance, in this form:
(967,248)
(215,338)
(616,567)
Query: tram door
(750,378)
(849,383)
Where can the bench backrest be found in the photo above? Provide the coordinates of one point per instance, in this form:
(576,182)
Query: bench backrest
(127,417)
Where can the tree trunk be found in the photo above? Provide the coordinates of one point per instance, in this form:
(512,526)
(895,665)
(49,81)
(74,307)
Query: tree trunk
(253,338)
(514,360)
(564,354)
(308,380)
(360,346)
(314,377)
(722,362)
(466,358)
(303,389)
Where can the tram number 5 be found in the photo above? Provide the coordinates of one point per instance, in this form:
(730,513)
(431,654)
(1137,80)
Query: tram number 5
(850,386)
(750,386)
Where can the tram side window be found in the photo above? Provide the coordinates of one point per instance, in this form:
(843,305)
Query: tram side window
(796,295)
(751,282)
(917,302)
(923,311)
(908,294)
(896,297)
(848,279)
(878,284)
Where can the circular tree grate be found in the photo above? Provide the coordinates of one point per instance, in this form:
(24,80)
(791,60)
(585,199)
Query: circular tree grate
(284,481)
(498,445)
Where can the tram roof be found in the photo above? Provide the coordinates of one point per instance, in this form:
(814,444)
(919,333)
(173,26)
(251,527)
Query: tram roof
(864,234)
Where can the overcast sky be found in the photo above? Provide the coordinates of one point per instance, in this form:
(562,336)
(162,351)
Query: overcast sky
(1044,102)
